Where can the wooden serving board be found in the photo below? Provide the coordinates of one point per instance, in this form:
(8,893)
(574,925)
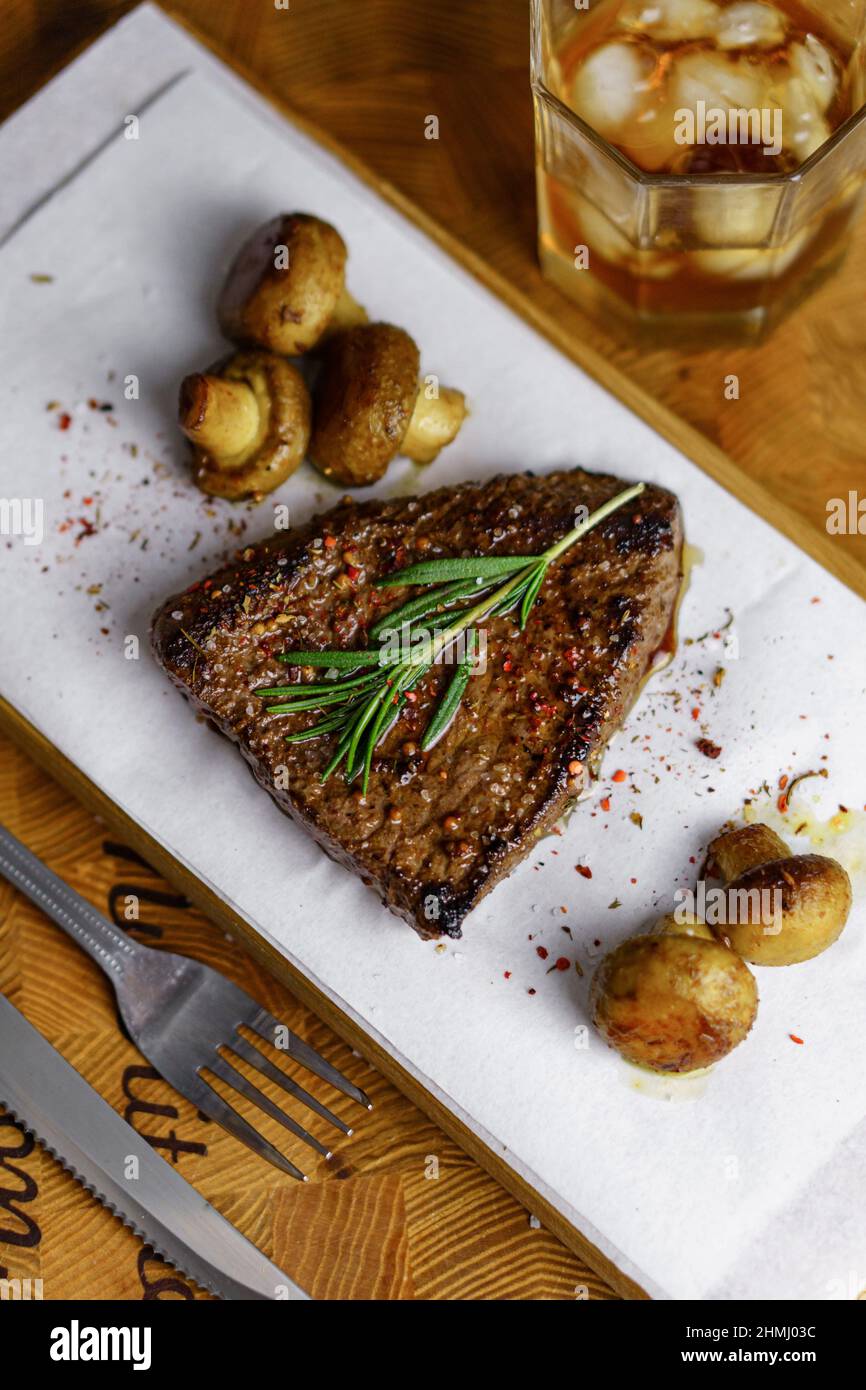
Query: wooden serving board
(230,911)
(400,1212)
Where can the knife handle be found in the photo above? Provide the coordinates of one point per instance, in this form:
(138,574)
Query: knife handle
(105,945)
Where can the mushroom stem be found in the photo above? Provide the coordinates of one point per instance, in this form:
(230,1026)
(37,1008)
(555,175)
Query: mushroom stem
(219,415)
(434,423)
(347,313)
(748,848)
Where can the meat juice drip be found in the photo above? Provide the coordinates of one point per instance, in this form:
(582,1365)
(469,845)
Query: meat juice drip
(630,69)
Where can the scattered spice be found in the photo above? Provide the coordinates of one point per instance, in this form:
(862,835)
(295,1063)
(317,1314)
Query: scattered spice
(784,800)
(636,819)
(713,632)
(794,1038)
(619,775)
(584,870)
(542,952)
(708,748)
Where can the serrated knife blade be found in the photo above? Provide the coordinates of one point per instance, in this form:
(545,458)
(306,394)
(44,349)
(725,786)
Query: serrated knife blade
(70,1119)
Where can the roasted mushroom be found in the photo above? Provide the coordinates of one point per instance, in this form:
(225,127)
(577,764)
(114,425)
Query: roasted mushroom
(674,1001)
(783,908)
(248,420)
(371,406)
(286,287)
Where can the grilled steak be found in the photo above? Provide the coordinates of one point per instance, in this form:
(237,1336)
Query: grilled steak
(437,830)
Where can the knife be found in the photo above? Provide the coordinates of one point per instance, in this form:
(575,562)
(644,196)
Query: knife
(111,1160)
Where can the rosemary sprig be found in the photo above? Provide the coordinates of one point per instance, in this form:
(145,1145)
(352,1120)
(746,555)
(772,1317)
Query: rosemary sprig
(363,705)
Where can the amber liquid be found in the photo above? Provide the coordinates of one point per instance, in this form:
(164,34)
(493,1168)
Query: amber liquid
(672,275)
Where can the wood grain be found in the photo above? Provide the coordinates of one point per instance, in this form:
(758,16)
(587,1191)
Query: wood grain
(48,758)
(400,1212)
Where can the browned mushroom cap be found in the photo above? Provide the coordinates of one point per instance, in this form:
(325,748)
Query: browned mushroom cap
(781,908)
(248,420)
(370,406)
(673,1002)
(286,286)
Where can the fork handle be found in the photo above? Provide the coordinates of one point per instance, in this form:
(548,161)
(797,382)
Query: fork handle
(105,945)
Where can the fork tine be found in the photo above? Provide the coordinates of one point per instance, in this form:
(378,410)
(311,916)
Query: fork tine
(212,1104)
(258,1060)
(224,1069)
(266,1026)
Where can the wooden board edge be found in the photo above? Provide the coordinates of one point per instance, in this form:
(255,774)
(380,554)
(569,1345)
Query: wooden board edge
(29,739)
(687,438)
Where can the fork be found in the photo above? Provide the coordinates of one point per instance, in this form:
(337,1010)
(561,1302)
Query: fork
(180,1013)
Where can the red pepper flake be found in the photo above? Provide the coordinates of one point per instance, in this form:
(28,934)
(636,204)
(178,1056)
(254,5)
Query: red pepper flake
(794,1038)
(696,713)
(708,748)
(64,420)
(87,501)
(619,775)
(605,803)
(353,572)
(330,542)
(507,664)
(530,991)
(584,870)
(562,963)
(783,782)
(507,974)
(541,951)
(782,804)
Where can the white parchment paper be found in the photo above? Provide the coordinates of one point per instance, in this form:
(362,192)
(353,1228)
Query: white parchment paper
(748,1182)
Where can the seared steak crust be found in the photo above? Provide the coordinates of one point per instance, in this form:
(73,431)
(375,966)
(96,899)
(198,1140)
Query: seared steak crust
(437,830)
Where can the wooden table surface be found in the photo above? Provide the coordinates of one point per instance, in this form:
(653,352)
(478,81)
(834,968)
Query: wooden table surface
(369,74)
(399,1212)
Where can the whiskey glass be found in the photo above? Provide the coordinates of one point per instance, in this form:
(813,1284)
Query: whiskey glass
(712,251)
